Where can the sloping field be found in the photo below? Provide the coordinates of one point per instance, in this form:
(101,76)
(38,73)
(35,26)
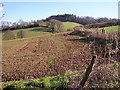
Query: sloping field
(41,31)
(110,29)
(33,32)
(43,56)
(70,25)
(46,62)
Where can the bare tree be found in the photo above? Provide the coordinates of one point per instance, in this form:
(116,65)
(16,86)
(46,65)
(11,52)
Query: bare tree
(21,21)
(5,23)
(55,25)
(1,9)
(14,24)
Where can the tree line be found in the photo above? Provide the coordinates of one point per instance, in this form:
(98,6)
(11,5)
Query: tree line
(104,24)
(56,20)
(54,25)
(81,20)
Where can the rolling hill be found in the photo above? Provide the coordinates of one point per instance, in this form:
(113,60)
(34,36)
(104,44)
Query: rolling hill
(110,29)
(41,31)
(45,54)
(70,25)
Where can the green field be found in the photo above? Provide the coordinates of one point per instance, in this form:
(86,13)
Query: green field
(70,25)
(41,31)
(110,29)
(36,31)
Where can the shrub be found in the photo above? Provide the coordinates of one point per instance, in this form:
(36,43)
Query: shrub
(8,35)
(104,76)
(69,29)
(51,61)
(21,34)
(55,25)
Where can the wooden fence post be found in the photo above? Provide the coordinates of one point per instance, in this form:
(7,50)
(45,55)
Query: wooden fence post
(88,71)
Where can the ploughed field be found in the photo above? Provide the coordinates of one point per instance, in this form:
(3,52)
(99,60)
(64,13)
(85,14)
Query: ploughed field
(43,56)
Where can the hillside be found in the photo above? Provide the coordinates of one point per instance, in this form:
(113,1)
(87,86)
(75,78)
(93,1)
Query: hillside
(36,31)
(45,54)
(112,29)
(41,31)
(108,30)
(35,56)
(70,25)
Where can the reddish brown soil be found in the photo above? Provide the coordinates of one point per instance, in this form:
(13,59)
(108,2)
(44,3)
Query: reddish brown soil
(30,58)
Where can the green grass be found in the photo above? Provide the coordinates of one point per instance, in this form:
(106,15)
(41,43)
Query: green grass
(50,59)
(0,33)
(110,29)
(70,25)
(49,83)
(41,31)
(33,32)
(36,31)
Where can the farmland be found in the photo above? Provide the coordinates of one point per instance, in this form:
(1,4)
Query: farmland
(40,47)
(29,54)
(41,31)
(108,30)
(45,54)
(59,46)
(112,29)
(70,25)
